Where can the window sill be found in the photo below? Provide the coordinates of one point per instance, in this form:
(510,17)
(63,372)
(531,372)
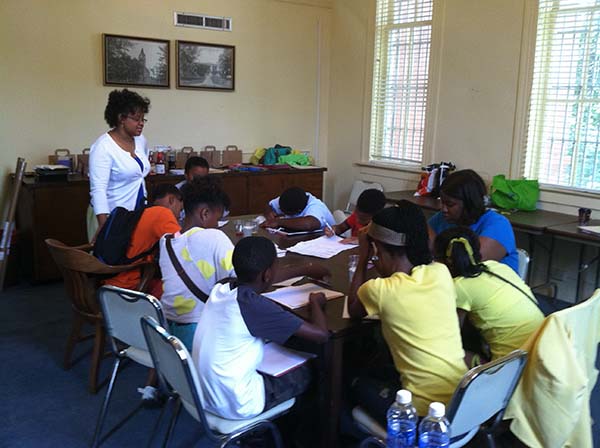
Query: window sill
(415,169)
(567,200)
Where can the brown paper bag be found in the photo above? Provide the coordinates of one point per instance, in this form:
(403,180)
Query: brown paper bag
(83,162)
(182,156)
(212,156)
(63,156)
(231,156)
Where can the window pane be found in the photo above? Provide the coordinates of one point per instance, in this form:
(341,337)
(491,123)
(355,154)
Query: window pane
(564,118)
(401,68)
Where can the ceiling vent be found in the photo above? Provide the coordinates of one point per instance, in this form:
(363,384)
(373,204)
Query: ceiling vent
(202,21)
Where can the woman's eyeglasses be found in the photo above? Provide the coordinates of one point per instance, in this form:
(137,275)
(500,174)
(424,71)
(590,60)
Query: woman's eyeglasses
(139,120)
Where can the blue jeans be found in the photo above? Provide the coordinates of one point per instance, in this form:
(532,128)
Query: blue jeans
(184,332)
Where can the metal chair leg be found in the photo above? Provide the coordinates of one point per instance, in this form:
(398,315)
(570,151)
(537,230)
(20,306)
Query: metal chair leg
(172,423)
(104,409)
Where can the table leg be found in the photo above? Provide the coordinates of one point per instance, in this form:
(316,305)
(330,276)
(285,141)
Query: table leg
(579,271)
(330,401)
(531,250)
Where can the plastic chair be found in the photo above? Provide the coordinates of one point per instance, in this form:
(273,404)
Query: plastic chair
(478,402)
(122,310)
(357,188)
(82,273)
(174,366)
(523,265)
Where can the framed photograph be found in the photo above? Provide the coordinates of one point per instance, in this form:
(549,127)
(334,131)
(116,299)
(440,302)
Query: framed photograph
(205,66)
(135,61)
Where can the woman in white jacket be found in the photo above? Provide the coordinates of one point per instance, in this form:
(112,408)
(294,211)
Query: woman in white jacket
(119,158)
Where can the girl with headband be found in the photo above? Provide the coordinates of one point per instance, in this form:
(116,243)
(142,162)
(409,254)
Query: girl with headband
(415,300)
(498,303)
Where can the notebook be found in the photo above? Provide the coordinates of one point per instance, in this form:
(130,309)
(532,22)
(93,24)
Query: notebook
(322,247)
(294,297)
(278,360)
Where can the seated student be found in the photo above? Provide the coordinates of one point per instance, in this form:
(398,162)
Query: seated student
(496,300)
(194,167)
(297,210)
(153,224)
(369,203)
(416,302)
(463,204)
(233,330)
(203,252)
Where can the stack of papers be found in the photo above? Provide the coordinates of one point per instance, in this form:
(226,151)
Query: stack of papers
(323,247)
(295,297)
(278,360)
(594,230)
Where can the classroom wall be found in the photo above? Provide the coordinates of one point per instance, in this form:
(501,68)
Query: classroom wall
(51,75)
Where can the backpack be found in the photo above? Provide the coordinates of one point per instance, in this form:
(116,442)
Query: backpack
(114,238)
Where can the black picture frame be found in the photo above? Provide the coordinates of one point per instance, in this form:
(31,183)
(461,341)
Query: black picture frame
(135,61)
(205,66)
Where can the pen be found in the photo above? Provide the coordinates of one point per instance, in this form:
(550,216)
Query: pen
(329,227)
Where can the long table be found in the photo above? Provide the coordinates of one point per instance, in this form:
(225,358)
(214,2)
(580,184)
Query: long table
(341,330)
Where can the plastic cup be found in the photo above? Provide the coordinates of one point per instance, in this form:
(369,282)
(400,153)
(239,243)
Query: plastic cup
(249,228)
(239,227)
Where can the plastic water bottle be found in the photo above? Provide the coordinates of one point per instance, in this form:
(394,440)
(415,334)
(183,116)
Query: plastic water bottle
(434,430)
(402,422)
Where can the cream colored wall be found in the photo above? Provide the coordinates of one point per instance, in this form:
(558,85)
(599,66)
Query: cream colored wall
(51,75)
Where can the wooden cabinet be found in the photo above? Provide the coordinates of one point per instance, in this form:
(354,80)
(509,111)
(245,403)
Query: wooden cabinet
(58,209)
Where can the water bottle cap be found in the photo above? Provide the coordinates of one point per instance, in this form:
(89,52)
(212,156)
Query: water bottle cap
(437,410)
(403,396)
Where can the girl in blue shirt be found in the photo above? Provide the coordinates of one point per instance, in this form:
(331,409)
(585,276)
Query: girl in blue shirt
(463,204)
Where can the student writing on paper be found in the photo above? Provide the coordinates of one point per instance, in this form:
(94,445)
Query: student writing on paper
(498,303)
(416,302)
(368,203)
(297,210)
(230,338)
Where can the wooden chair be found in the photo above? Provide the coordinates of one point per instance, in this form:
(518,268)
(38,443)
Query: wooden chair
(83,273)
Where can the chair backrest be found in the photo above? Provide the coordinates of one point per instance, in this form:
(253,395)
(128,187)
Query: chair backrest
(357,188)
(484,392)
(523,265)
(122,310)
(175,367)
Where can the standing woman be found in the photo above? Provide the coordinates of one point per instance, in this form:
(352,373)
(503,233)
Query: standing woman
(119,158)
(463,204)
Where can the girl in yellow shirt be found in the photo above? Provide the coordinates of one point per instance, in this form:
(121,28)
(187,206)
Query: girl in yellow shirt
(415,300)
(498,303)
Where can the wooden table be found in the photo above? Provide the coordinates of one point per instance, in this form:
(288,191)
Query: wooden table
(570,232)
(341,330)
(58,209)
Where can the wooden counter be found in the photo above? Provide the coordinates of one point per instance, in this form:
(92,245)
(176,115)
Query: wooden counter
(58,209)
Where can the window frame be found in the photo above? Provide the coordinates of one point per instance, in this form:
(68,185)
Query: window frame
(556,196)
(428,152)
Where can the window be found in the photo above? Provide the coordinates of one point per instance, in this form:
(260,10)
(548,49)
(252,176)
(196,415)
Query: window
(400,77)
(563,129)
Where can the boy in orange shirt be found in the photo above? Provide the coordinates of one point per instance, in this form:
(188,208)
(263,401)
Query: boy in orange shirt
(155,221)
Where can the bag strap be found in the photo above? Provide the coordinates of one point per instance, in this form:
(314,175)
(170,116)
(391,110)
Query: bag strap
(493,274)
(181,272)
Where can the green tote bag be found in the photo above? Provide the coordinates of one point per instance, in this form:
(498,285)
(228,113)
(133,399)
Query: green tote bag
(521,194)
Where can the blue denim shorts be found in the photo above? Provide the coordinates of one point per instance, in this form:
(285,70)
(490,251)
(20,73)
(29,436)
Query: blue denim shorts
(184,332)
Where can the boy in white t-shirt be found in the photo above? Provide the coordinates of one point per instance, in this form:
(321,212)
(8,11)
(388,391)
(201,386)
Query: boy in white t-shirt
(236,322)
(202,250)
(298,210)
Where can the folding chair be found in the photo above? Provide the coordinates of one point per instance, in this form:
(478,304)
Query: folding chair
(478,402)
(357,188)
(523,264)
(122,310)
(174,365)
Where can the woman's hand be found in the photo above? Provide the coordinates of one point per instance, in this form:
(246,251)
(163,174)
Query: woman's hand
(329,231)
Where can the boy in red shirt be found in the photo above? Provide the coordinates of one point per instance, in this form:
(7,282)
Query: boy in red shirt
(368,204)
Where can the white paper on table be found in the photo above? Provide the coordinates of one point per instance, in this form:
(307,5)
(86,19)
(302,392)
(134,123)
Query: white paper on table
(297,296)
(594,230)
(280,252)
(289,281)
(223,223)
(278,360)
(346,314)
(323,247)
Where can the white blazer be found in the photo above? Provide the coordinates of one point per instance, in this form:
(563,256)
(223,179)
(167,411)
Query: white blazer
(115,176)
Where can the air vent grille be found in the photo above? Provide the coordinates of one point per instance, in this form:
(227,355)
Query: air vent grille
(202,21)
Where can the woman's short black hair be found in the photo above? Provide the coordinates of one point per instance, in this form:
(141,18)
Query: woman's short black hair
(204,190)
(195,161)
(370,201)
(251,256)
(407,218)
(293,200)
(124,102)
(162,190)
(468,187)
(458,261)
